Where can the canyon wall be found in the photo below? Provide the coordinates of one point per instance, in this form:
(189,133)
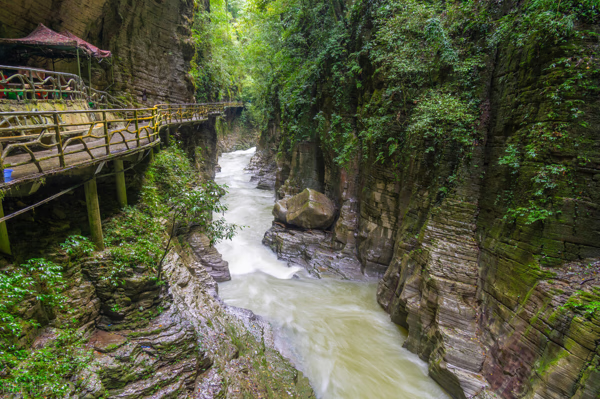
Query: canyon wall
(150,41)
(500,304)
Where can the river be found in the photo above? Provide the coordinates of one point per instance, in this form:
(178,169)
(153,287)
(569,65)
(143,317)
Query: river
(333,331)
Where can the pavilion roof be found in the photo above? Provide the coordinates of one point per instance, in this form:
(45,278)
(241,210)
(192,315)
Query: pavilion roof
(89,48)
(57,44)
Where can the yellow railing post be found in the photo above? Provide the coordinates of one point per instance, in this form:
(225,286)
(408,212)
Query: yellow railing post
(152,126)
(137,127)
(32,85)
(61,153)
(106,136)
(52,126)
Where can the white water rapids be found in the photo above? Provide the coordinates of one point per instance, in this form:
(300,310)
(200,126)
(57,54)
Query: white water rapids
(333,331)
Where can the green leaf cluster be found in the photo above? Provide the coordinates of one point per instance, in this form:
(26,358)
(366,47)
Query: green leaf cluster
(173,195)
(391,81)
(42,372)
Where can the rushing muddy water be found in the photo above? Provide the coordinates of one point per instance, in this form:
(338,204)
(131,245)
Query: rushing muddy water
(334,331)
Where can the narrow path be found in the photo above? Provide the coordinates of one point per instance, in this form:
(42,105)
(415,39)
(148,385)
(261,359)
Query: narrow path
(85,147)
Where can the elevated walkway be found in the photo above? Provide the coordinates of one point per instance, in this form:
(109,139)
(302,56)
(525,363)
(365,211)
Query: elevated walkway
(41,143)
(38,144)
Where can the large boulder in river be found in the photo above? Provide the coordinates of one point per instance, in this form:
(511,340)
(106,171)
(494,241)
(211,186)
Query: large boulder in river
(310,209)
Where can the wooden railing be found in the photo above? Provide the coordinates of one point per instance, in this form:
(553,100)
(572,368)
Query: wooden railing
(20,83)
(102,100)
(40,142)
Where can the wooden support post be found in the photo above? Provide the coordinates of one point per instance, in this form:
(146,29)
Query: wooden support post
(151,155)
(93,209)
(79,69)
(4,241)
(167,136)
(120,181)
(90,75)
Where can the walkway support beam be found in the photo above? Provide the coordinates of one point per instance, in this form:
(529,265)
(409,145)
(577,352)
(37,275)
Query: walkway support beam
(93,209)
(4,241)
(120,181)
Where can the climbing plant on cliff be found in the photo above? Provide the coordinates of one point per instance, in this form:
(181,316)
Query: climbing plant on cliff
(310,54)
(218,67)
(397,80)
(41,372)
(552,143)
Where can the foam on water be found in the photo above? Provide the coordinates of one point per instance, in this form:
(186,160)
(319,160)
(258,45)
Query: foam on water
(333,331)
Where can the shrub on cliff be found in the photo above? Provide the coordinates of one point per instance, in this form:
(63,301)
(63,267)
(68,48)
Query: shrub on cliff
(44,371)
(173,195)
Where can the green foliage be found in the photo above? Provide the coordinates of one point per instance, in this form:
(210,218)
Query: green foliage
(334,132)
(398,80)
(44,372)
(512,158)
(562,129)
(78,246)
(218,67)
(39,279)
(546,21)
(134,240)
(441,120)
(531,214)
(174,194)
(585,303)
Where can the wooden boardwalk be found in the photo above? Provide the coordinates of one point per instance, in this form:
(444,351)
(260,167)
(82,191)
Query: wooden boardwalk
(38,144)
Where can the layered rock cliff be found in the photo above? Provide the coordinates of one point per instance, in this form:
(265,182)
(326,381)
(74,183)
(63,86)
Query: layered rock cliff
(497,292)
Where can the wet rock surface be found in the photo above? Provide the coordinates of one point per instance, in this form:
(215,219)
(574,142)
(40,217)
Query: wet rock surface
(310,210)
(322,253)
(233,134)
(209,257)
(280,210)
(177,340)
(314,250)
(263,170)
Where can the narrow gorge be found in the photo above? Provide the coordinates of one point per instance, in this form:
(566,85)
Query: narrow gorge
(291,198)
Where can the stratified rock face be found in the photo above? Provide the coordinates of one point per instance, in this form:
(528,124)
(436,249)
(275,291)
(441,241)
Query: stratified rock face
(150,40)
(185,348)
(485,298)
(306,170)
(208,255)
(314,250)
(310,210)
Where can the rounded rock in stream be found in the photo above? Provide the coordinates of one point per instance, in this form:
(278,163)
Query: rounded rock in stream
(310,209)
